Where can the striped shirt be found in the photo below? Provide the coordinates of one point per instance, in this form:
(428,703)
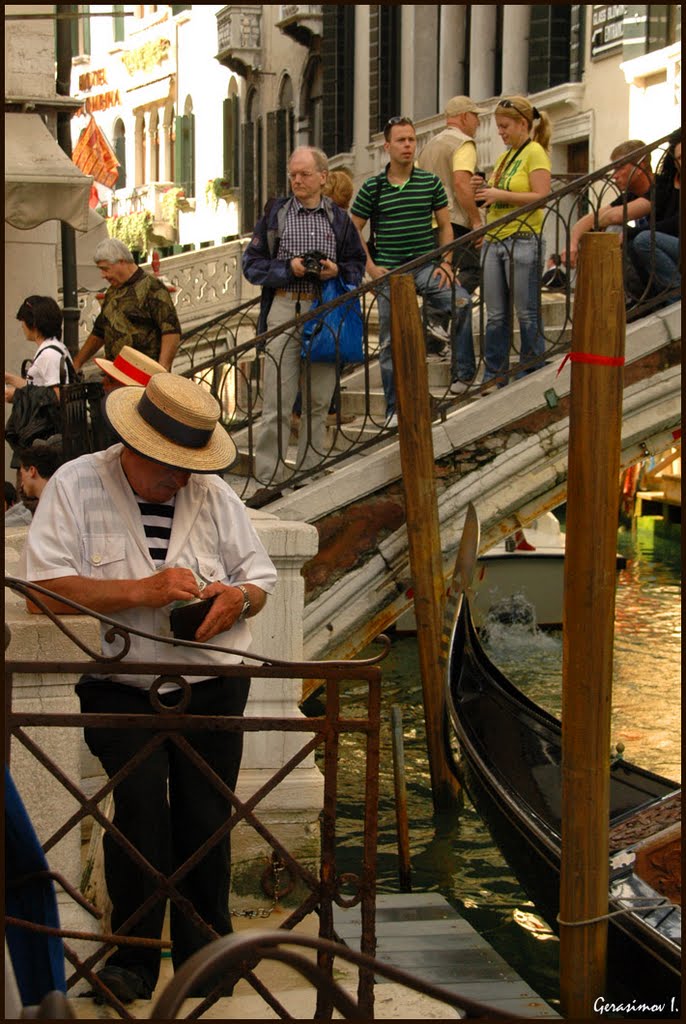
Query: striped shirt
(306,230)
(157,522)
(402,215)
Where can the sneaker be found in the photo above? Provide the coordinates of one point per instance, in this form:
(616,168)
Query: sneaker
(458,387)
(437,331)
(392,420)
(436,355)
(124,984)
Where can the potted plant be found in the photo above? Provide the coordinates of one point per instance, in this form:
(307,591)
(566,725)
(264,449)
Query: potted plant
(173,200)
(133,229)
(220,188)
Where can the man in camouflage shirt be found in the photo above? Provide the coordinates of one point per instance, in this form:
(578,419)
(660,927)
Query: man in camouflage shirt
(137,310)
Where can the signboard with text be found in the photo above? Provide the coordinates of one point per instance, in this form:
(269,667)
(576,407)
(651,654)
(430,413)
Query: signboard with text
(607,33)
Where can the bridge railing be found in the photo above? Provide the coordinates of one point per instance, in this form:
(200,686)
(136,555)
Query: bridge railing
(228,355)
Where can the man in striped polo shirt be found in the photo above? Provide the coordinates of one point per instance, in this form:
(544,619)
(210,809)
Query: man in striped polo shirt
(400,203)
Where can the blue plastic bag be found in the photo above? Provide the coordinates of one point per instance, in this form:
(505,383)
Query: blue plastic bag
(334,337)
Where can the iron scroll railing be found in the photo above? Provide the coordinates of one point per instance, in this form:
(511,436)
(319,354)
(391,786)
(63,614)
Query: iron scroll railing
(224,960)
(314,890)
(228,356)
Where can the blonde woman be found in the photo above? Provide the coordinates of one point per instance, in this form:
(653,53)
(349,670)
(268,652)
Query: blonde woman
(512,253)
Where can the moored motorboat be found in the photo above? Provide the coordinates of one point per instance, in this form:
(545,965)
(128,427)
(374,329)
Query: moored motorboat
(510,754)
(523,570)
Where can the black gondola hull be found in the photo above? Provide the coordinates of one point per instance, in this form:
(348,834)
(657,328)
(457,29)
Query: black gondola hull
(510,762)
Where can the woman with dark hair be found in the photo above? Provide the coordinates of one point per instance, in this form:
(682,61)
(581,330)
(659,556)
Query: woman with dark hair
(512,254)
(41,321)
(656,252)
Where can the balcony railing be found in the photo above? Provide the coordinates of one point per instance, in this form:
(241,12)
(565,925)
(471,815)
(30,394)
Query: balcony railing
(239,37)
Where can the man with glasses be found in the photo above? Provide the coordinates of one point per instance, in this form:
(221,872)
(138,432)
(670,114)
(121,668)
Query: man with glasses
(400,203)
(451,154)
(305,223)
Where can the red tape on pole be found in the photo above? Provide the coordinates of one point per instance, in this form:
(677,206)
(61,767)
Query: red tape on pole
(589,357)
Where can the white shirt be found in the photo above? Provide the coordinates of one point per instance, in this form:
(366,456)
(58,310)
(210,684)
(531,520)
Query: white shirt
(44,370)
(88,523)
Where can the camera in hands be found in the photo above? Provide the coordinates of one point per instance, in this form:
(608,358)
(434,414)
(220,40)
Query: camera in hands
(312,262)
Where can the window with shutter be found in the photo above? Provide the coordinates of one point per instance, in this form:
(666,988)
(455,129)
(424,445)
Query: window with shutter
(549,46)
(338,61)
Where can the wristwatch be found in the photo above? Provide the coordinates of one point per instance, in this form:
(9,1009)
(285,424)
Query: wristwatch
(247,603)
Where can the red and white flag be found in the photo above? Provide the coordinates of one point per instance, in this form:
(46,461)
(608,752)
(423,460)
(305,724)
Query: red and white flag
(93,155)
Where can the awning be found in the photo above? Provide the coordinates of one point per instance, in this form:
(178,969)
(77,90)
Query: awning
(41,182)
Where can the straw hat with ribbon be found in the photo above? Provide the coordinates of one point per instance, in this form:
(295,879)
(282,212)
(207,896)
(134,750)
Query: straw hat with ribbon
(173,421)
(130,367)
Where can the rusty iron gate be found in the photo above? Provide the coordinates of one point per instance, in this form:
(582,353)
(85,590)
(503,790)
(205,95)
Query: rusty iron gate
(322,733)
(226,959)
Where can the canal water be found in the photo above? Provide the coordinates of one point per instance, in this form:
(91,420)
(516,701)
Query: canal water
(453,853)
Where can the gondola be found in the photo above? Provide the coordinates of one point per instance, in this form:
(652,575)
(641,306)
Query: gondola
(509,760)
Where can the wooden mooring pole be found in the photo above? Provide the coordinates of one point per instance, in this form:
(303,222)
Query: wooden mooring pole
(421,509)
(598,337)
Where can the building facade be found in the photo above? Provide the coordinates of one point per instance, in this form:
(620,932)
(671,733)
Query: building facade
(203,104)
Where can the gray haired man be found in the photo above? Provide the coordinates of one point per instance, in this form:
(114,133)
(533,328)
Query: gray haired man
(137,310)
(451,154)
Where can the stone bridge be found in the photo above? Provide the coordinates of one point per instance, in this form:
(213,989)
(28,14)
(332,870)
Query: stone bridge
(506,452)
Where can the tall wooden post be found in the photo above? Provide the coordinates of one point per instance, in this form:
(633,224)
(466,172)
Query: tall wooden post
(598,336)
(424,542)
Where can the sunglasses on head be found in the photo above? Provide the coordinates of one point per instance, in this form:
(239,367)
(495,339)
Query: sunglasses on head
(509,105)
(393,121)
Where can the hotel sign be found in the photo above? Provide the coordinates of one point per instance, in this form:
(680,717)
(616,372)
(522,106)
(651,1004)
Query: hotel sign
(607,34)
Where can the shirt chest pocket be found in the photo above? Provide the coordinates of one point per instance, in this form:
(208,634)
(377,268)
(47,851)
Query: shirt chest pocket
(104,555)
(211,568)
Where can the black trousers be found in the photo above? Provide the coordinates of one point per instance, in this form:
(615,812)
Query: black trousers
(167,809)
(465,261)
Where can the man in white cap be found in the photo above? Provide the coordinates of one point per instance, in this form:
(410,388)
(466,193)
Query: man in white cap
(451,154)
(142,526)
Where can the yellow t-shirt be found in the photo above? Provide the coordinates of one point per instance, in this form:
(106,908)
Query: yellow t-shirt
(515,178)
(464,159)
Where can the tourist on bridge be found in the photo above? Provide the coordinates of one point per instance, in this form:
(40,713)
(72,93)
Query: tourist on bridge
(129,532)
(306,224)
(451,154)
(137,310)
(633,178)
(512,253)
(401,203)
(655,250)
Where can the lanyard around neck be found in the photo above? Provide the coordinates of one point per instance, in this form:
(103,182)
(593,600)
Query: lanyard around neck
(505,166)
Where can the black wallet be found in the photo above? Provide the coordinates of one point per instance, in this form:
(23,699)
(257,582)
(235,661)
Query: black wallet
(186,619)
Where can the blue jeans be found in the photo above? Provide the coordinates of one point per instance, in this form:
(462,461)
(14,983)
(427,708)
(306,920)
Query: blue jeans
(664,265)
(438,299)
(511,277)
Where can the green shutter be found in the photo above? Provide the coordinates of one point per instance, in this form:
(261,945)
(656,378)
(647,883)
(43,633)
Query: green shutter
(180,143)
(190,190)
(248,183)
(118,20)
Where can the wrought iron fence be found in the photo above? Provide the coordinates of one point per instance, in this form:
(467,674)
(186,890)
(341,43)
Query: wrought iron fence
(229,356)
(313,891)
(226,959)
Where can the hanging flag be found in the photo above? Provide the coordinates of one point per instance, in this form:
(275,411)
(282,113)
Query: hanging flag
(93,155)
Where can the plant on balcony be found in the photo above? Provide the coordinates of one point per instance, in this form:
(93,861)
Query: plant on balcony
(220,188)
(133,229)
(173,200)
